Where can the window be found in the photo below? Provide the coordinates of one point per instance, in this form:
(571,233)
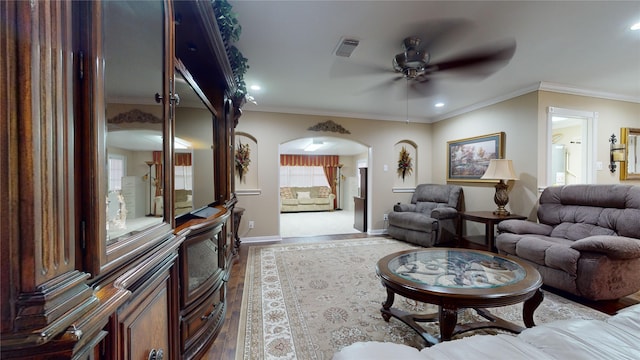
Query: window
(117,166)
(302,176)
(183,177)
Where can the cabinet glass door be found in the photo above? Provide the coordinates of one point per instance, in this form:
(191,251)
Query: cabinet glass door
(126,68)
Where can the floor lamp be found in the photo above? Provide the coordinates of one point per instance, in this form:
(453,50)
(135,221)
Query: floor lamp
(150,164)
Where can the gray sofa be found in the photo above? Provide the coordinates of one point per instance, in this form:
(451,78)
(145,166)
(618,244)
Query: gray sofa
(430,218)
(587,240)
(617,337)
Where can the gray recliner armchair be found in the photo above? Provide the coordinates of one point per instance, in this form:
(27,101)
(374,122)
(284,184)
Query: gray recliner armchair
(430,218)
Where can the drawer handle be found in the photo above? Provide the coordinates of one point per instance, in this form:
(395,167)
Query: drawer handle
(156,354)
(212,313)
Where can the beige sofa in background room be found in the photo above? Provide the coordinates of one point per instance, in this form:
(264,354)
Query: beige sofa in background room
(313,198)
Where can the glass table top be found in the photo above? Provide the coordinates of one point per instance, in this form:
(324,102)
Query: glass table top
(456,269)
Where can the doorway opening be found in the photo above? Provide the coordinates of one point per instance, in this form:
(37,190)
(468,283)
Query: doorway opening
(347,154)
(571,148)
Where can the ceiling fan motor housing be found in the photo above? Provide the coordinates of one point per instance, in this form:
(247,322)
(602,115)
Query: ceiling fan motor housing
(412,61)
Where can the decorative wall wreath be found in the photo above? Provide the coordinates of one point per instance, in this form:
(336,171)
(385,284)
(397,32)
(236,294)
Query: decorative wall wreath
(242,159)
(405,167)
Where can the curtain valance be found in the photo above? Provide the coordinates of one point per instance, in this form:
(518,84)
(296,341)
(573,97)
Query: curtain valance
(310,160)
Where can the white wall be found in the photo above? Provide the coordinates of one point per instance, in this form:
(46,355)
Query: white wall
(517,119)
(522,119)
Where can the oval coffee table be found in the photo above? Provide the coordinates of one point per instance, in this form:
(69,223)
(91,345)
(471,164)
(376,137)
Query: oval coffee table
(455,279)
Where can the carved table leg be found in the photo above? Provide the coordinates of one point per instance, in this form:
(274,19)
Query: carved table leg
(386,314)
(448,321)
(530,306)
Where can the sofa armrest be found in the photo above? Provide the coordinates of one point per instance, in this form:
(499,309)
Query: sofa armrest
(444,213)
(399,207)
(524,227)
(618,247)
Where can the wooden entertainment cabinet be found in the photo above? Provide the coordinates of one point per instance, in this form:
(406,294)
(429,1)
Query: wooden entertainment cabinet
(80,277)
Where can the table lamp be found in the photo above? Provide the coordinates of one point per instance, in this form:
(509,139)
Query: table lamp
(500,169)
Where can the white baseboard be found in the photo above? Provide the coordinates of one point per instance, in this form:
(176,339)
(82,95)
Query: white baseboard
(260,239)
(377,232)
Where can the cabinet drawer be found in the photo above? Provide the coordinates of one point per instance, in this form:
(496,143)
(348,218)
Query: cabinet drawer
(200,324)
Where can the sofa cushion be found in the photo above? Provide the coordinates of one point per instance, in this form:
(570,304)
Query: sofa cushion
(303,195)
(583,339)
(425,207)
(627,319)
(181,195)
(321,201)
(286,193)
(324,192)
(617,247)
(413,221)
(555,253)
(289,201)
(575,231)
(615,207)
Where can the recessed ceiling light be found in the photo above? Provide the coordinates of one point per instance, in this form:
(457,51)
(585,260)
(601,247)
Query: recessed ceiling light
(635,26)
(439,105)
(255,87)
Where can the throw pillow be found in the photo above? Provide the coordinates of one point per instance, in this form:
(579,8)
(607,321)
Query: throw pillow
(285,193)
(324,192)
(304,195)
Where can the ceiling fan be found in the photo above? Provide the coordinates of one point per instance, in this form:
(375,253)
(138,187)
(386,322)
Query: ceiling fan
(415,64)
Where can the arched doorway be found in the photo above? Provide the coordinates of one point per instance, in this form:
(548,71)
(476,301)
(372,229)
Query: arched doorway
(344,179)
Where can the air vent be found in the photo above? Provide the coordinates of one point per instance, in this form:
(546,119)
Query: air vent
(346,47)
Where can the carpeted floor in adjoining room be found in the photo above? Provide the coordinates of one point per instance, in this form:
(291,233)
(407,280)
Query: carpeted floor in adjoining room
(315,223)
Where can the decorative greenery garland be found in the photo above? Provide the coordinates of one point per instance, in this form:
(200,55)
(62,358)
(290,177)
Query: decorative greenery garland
(230,29)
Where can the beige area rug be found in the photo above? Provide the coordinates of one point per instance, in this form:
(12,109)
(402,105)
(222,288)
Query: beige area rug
(307,301)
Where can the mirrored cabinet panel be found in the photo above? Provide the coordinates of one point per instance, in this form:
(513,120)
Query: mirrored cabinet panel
(194,147)
(133,73)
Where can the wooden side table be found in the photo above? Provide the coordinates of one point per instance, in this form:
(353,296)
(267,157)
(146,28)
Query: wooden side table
(489,219)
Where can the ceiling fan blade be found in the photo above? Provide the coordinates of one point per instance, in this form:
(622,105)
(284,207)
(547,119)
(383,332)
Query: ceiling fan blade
(437,35)
(385,85)
(422,89)
(481,61)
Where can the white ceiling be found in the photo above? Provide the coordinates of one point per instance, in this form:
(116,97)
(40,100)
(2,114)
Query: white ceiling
(582,47)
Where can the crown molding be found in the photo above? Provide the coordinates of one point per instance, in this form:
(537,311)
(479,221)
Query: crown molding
(541,86)
(538,86)
(572,90)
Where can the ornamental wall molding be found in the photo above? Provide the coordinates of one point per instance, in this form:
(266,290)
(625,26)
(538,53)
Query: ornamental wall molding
(330,126)
(135,116)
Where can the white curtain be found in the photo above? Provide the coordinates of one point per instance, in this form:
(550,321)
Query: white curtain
(302,176)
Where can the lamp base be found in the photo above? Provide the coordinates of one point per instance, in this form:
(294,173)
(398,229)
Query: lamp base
(501,199)
(501,212)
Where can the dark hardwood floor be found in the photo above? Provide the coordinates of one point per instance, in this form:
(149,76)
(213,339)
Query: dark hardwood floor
(224,347)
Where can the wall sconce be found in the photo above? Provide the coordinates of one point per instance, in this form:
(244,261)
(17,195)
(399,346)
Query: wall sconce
(617,153)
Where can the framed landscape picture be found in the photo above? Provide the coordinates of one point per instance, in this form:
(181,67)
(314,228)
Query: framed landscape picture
(469,158)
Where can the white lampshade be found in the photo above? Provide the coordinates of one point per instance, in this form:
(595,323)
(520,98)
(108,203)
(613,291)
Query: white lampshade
(500,169)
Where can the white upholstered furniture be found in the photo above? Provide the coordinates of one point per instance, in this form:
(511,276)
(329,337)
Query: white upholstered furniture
(312,198)
(618,337)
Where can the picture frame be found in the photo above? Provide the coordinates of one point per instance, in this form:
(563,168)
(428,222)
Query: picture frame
(468,158)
